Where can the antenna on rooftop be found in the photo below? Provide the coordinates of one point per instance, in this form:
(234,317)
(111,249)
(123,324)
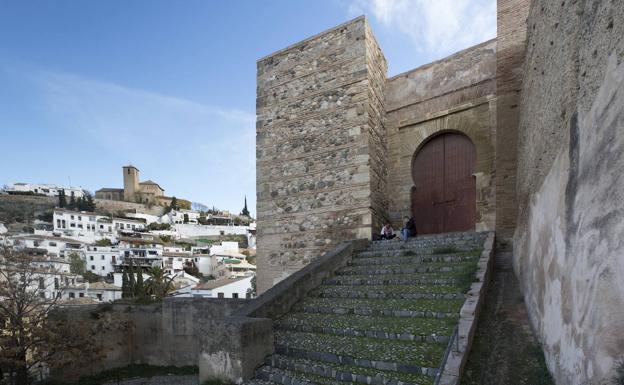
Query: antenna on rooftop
(69,180)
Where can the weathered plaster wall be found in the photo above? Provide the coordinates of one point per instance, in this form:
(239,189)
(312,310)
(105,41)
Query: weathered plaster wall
(456,93)
(162,334)
(568,243)
(320,147)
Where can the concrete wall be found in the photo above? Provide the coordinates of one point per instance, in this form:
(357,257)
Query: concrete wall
(161,334)
(453,94)
(570,187)
(320,147)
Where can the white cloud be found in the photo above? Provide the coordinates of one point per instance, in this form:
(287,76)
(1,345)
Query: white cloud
(201,152)
(435,27)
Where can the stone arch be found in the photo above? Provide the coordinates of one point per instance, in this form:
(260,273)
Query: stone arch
(443,195)
(407,139)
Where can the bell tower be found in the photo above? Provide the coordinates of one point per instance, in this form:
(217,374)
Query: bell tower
(131,182)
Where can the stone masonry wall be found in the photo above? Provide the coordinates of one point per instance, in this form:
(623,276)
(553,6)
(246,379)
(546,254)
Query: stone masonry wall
(320,147)
(160,334)
(568,243)
(511,37)
(456,93)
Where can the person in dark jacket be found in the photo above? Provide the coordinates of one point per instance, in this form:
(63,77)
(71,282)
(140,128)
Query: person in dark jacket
(409,228)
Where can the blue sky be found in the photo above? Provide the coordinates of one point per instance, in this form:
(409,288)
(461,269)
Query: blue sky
(169,86)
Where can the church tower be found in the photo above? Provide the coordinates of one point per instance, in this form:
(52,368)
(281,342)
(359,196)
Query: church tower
(131,182)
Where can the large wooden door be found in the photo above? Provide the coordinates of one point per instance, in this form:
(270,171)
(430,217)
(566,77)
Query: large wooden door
(444,192)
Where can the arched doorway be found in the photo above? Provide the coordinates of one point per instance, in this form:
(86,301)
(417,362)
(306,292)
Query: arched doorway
(444,192)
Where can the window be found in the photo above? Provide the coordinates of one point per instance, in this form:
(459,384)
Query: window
(221,295)
(101,227)
(99,296)
(79,218)
(71,217)
(102,257)
(92,267)
(41,283)
(102,267)
(72,295)
(80,225)
(42,294)
(234,295)
(81,295)
(56,283)
(52,244)
(58,223)
(90,257)
(72,224)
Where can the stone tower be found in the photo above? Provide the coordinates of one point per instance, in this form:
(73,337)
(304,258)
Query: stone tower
(131,182)
(321,144)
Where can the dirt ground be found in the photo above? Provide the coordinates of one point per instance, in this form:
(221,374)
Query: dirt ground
(505,350)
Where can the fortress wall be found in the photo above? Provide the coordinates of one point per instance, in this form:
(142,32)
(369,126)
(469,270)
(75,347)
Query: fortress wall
(319,147)
(511,38)
(568,243)
(455,93)
(163,334)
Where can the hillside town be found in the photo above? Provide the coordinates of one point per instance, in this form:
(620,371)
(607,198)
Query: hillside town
(89,251)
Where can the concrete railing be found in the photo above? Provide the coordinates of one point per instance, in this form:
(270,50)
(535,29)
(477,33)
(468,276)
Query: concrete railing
(245,338)
(459,347)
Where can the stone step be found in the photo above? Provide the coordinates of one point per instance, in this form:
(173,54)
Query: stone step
(442,267)
(366,352)
(423,327)
(414,259)
(355,332)
(448,237)
(388,252)
(406,279)
(391,292)
(395,244)
(421,308)
(346,373)
(257,381)
(285,377)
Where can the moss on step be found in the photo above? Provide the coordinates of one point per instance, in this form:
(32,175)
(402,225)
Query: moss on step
(357,370)
(422,326)
(399,289)
(420,305)
(405,352)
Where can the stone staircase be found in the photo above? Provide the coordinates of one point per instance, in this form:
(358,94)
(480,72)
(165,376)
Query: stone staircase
(385,319)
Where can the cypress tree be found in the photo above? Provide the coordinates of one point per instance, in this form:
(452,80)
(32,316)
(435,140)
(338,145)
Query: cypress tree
(125,285)
(72,202)
(245,211)
(62,199)
(89,203)
(139,290)
(131,281)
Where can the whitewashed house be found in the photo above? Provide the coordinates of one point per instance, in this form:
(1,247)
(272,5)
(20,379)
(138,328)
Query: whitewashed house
(50,190)
(98,291)
(54,246)
(221,288)
(101,260)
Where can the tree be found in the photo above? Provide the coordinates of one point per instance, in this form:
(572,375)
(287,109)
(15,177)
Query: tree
(186,218)
(76,264)
(88,203)
(174,204)
(131,281)
(158,285)
(103,242)
(72,202)
(245,212)
(62,199)
(252,290)
(125,285)
(139,290)
(29,335)
(80,204)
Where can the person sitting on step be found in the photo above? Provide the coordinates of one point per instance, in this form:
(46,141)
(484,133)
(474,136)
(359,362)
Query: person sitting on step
(387,232)
(409,228)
